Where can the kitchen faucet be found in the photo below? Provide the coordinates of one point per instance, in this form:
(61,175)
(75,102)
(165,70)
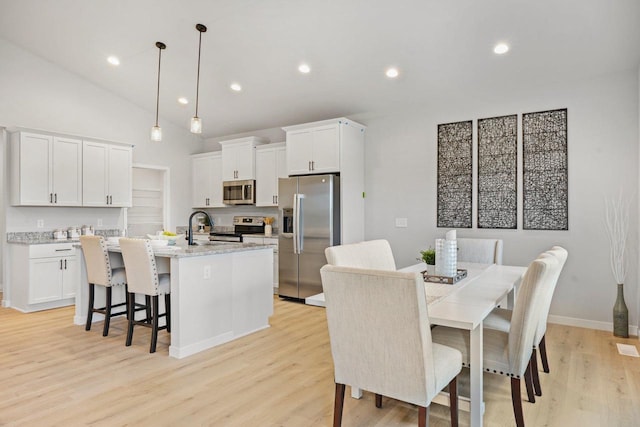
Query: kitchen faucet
(190,230)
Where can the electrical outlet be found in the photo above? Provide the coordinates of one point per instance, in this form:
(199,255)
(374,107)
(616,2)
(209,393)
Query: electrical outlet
(401,223)
(207,272)
(99,222)
(40,223)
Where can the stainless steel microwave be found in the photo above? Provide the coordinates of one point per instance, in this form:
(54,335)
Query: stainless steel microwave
(239,192)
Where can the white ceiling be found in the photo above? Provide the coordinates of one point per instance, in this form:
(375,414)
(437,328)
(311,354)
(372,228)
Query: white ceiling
(443,49)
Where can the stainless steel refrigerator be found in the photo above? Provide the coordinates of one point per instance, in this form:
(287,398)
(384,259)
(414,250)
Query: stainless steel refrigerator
(309,208)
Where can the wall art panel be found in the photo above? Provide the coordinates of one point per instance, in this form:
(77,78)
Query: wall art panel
(497,172)
(455,151)
(545,174)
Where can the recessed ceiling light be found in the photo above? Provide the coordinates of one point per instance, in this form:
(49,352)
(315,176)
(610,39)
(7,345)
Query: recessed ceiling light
(304,68)
(182,100)
(236,87)
(392,73)
(113,60)
(501,48)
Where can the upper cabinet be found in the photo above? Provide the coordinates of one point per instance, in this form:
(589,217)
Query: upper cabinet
(238,158)
(206,180)
(314,149)
(106,175)
(46,170)
(270,166)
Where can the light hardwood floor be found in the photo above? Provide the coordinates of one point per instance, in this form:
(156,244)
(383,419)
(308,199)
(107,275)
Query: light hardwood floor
(53,373)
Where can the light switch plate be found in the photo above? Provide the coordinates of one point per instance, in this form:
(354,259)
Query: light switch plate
(40,223)
(401,223)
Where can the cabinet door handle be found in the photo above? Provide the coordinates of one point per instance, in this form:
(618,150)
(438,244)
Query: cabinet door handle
(65,264)
(110,200)
(60,264)
(313,165)
(50,197)
(107,199)
(276,196)
(55,198)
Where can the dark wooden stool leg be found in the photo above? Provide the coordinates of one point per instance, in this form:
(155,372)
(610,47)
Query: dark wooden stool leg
(167,310)
(90,310)
(534,373)
(516,400)
(147,300)
(528,382)
(154,323)
(126,299)
(423,416)
(453,401)
(338,405)
(378,400)
(107,311)
(543,355)
(132,302)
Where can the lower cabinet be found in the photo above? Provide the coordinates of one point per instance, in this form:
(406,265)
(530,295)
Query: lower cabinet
(51,276)
(273,242)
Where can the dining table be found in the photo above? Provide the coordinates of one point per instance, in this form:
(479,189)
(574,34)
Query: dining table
(464,305)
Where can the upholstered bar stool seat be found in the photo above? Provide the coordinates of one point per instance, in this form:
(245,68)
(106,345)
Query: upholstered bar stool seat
(99,272)
(143,279)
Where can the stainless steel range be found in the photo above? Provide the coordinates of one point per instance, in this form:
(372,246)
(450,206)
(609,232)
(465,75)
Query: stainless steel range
(241,225)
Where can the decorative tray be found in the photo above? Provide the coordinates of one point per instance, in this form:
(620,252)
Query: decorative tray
(461,274)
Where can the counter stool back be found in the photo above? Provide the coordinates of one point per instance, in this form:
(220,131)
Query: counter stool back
(143,278)
(99,272)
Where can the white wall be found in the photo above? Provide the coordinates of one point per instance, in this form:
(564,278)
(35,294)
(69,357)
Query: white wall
(603,139)
(38,94)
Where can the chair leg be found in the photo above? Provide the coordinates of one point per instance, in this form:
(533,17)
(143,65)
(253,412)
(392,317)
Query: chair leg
(543,355)
(516,400)
(147,301)
(154,323)
(90,310)
(453,401)
(534,373)
(107,311)
(338,405)
(423,416)
(378,400)
(528,382)
(132,302)
(126,299)
(167,310)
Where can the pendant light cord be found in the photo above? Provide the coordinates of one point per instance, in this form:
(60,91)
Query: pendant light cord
(198,76)
(160,46)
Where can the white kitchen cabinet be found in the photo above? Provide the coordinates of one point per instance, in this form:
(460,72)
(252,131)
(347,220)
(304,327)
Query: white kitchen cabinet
(270,166)
(238,158)
(333,146)
(206,180)
(106,175)
(46,170)
(273,242)
(313,150)
(43,276)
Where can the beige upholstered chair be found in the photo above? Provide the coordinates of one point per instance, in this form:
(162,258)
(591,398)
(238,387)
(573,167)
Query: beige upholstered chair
(373,254)
(99,272)
(510,353)
(500,318)
(484,251)
(381,339)
(143,278)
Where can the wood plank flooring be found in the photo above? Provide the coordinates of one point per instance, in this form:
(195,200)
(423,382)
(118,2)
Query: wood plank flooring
(53,373)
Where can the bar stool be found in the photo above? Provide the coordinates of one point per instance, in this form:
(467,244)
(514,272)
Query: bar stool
(99,272)
(143,278)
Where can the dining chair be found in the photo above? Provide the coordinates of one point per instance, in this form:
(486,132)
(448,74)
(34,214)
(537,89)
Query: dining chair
(483,251)
(500,318)
(509,353)
(143,278)
(99,272)
(372,254)
(381,339)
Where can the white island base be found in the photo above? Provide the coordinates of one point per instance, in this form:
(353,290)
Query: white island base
(217,295)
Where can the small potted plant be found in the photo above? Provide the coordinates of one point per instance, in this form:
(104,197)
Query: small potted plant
(428,256)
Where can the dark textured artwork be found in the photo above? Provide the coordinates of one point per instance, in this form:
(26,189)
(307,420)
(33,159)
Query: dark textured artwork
(497,172)
(545,177)
(455,174)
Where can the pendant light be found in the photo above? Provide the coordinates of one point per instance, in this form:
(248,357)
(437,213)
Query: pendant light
(156,132)
(196,123)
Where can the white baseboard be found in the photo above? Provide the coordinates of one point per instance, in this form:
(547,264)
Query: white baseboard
(590,324)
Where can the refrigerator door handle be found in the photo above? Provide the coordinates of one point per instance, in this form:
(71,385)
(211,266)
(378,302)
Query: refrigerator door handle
(300,223)
(295,223)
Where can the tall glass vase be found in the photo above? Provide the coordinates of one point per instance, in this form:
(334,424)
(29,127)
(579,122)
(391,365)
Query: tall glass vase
(620,315)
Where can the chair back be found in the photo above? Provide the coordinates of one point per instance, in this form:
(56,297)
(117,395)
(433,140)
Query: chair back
(373,254)
(525,317)
(561,255)
(484,251)
(379,332)
(140,264)
(96,257)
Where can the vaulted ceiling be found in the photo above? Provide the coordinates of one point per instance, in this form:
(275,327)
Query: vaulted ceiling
(442,49)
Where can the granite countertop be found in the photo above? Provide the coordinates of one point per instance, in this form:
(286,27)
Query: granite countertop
(213,248)
(46,237)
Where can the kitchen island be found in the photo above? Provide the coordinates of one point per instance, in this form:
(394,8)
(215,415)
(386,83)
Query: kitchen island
(219,292)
